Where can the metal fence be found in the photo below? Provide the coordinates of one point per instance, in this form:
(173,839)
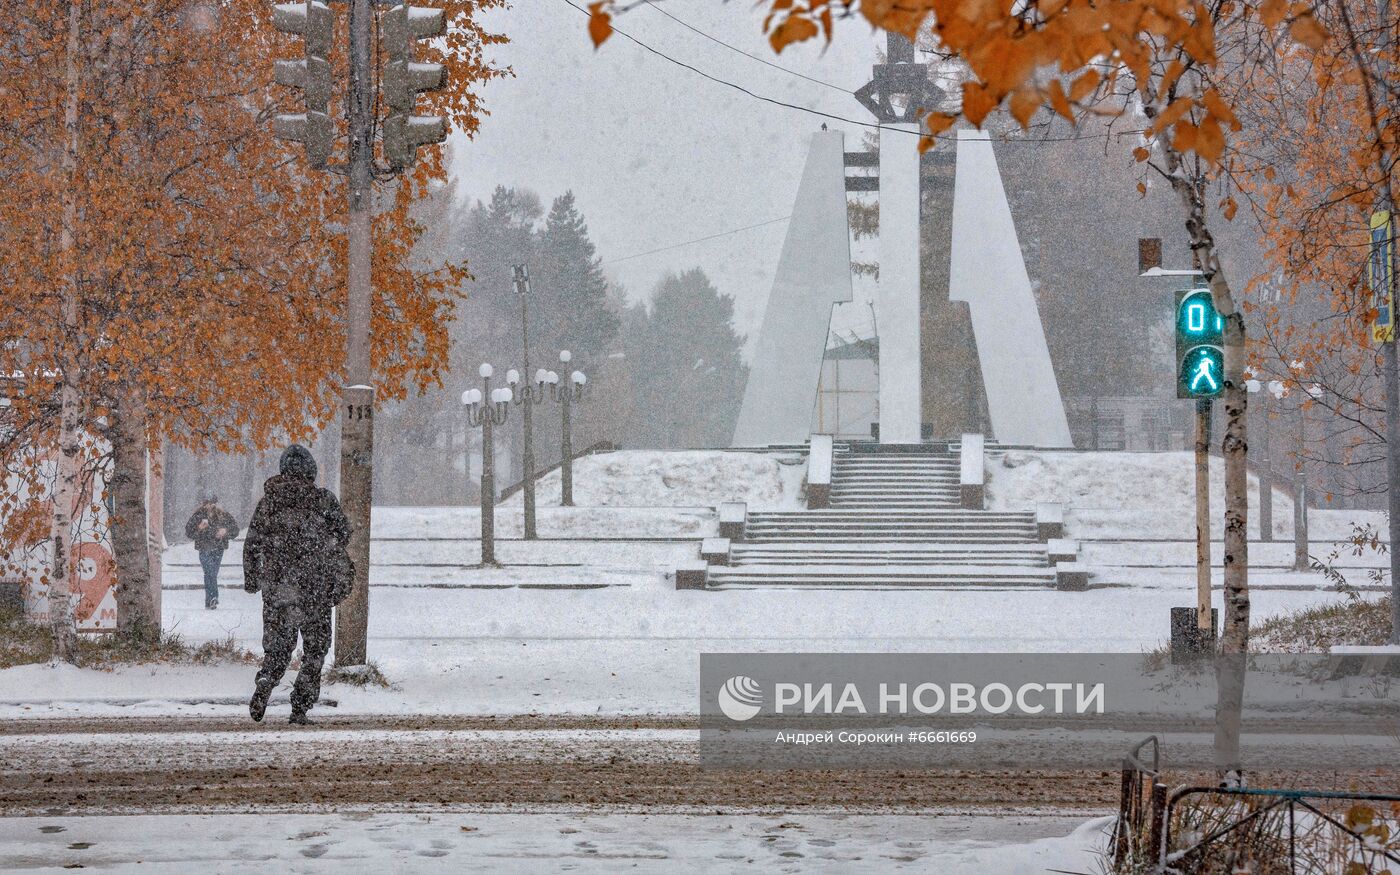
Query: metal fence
(1195,830)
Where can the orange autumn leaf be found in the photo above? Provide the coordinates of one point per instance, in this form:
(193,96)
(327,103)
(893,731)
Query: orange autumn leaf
(938,122)
(1271,12)
(1306,30)
(1141,154)
(599,23)
(793,29)
(1023,105)
(1184,136)
(1210,139)
(1216,106)
(1058,101)
(1084,85)
(977,102)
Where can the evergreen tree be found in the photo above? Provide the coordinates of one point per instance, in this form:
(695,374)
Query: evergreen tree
(570,309)
(687,370)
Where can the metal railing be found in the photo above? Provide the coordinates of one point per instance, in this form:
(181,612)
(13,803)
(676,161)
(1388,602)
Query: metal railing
(1138,831)
(599,447)
(1143,837)
(1181,859)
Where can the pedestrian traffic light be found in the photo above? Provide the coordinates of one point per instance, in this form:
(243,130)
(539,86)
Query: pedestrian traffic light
(1200,354)
(314,22)
(402,27)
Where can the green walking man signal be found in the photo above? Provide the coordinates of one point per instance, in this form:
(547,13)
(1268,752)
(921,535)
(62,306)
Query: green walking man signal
(1200,354)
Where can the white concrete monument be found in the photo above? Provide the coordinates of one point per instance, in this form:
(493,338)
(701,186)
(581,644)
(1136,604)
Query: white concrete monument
(988,272)
(814,273)
(897,308)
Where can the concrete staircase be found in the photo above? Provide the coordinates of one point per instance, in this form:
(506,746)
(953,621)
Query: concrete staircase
(894,520)
(889,481)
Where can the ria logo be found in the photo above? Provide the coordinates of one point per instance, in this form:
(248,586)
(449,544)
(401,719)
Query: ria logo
(740,698)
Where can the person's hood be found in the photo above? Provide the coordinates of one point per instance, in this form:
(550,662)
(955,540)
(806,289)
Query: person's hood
(286,491)
(297,461)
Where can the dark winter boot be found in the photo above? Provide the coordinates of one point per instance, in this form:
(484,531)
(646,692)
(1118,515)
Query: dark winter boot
(299,718)
(257,706)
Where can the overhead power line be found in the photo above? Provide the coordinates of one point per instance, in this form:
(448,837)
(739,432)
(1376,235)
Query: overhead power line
(697,240)
(732,48)
(817,112)
(738,87)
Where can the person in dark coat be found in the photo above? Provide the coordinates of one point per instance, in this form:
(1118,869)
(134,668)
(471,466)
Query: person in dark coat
(211,527)
(295,554)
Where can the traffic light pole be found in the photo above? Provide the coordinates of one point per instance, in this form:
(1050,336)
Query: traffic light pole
(357,411)
(1203,617)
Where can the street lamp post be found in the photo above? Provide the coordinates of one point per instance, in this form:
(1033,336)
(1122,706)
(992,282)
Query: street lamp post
(566,395)
(521,276)
(1264,461)
(486,416)
(1301,561)
(527,396)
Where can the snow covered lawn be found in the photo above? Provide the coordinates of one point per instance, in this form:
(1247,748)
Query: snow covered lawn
(620,650)
(552,841)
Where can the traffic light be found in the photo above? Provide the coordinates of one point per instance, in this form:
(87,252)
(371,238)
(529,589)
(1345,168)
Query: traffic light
(1200,354)
(401,27)
(315,23)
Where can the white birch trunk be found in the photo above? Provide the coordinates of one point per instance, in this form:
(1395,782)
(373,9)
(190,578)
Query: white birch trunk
(1234,640)
(69,461)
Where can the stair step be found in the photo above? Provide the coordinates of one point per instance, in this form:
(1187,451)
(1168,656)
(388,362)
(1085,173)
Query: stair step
(918,559)
(838,513)
(856,576)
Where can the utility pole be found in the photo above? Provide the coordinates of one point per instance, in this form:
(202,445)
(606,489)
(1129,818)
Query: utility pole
(1204,624)
(402,27)
(527,462)
(357,410)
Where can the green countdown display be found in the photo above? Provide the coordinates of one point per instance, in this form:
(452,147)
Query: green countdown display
(1200,355)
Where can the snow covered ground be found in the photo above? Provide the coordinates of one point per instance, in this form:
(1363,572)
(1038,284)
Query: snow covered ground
(1141,495)
(620,650)
(553,841)
(662,478)
(591,623)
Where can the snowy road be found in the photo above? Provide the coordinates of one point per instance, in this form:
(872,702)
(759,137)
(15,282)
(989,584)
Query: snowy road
(199,765)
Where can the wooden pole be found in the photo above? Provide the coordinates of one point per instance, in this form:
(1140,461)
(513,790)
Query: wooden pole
(1203,621)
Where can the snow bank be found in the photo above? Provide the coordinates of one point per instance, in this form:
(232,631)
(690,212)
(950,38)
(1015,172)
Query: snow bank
(696,521)
(680,478)
(1139,495)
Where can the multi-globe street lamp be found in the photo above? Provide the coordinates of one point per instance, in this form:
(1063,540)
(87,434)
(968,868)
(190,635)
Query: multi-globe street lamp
(566,395)
(487,408)
(547,385)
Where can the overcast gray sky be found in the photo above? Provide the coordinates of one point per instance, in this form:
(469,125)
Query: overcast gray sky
(656,153)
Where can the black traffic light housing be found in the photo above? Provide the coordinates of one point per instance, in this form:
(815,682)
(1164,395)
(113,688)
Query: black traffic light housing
(314,22)
(402,27)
